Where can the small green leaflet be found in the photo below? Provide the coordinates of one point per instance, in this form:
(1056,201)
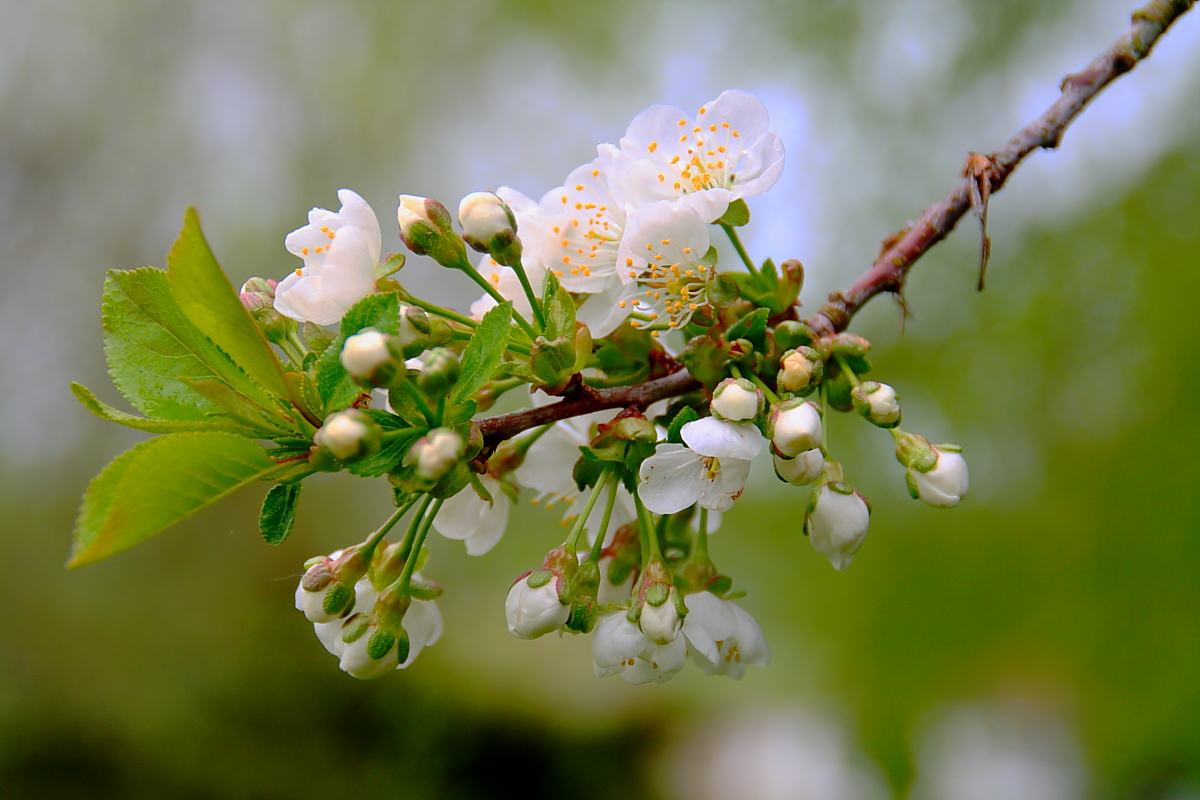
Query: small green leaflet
(483,353)
(107,412)
(378,311)
(210,302)
(398,439)
(279,512)
(161,481)
(153,350)
(559,309)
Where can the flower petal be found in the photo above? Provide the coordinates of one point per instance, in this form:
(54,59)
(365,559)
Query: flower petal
(714,437)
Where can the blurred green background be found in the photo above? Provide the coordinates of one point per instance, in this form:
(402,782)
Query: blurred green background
(1042,641)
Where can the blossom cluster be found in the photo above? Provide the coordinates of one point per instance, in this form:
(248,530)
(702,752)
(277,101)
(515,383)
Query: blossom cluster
(653,380)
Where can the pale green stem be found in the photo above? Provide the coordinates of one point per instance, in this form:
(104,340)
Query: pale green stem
(598,545)
(741,251)
(410,563)
(577,531)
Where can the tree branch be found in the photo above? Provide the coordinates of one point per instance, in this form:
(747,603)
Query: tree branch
(982,176)
(986,175)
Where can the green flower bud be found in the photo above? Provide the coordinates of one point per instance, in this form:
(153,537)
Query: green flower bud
(349,435)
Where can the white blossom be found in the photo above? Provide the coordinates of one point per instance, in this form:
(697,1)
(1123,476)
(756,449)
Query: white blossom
(469,517)
(736,400)
(837,524)
(365,352)
(346,434)
(535,611)
(946,484)
(801,470)
(483,215)
(711,470)
(340,252)
(795,429)
(620,648)
(530,219)
(878,402)
(723,153)
(661,252)
(661,623)
(723,638)
(437,453)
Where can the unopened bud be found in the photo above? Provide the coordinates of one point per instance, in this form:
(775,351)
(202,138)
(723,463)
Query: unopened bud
(490,227)
(390,608)
(439,372)
(914,451)
(877,402)
(426,229)
(374,358)
(836,522)
(553,360)
(349,435)
(437,453)
(258,297)
(794,426)
(659,609)
(320,595)
(801,470)
(737,400)
(800,369)
(370,650)
(945,483)
(414,325)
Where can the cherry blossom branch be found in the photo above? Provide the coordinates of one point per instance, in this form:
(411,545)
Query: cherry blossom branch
(984,175)
(584,401)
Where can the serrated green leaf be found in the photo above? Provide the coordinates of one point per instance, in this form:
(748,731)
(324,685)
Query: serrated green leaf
(107,412)
(153,349)
(161,481)
(483,353)
(378,311)
(559,308)
(460,413)
(675,433)
(211,303)
(241,409)
(398,439)
(278,512)
(752,327)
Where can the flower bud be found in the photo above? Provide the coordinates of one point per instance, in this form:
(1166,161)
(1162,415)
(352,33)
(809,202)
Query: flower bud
(794,426)
(321,596)
(801,470)
(945,483)
(390,608)
(370,651)
(658,607)
(258,297)
(439,372)
(553,360)
(490,227)
(799,369)
(737,400)
(374,358)
(349,435)
(437,453)
(836,522)
(534,606)
(877,402)
(914,450)
(426,229)
(414,325)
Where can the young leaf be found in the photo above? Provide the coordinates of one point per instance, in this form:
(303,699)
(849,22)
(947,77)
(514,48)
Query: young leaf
(560,309)
(397,441)
(153,349)
(262,424)
(378,311)
(736,215)
(212,304)
(279,512)
(107,412)
(161,481)
(752,327)
(483,353)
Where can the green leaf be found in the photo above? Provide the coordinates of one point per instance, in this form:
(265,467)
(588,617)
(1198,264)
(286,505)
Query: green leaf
(675,434)
(389,266)
(378,311)
(253,417)
(211,303)
(161,481)
(279,512)
(398,439)
(483,353)
(752,327)
(107,412)
(737,215)
(559,308)
(153,350)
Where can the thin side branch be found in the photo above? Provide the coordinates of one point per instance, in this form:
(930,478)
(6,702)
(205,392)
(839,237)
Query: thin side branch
(986,174)
(983,177)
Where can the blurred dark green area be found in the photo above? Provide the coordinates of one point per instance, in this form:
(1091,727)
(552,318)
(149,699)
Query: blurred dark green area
(1070,578)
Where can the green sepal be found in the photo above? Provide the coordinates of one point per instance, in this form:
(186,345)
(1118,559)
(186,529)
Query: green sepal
(539,578)
(790,335)
(720,585)
(424,590)
(208,299)
(278,512)
(389,266)
(910,480)
(380,644)
(737,215)
(838,387)
(337,600)
(675,432)
(354,628)
(724,290)
(657,594)
(706,360)
(111,414)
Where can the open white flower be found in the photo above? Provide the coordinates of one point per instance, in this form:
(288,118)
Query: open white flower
(661,252)
(711,470)
(723,638)
(620,648)
(468,517)
(723,153)
(340,252)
